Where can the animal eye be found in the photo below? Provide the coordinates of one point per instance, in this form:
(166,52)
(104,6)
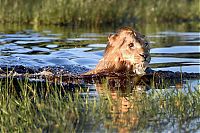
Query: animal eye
(131,45)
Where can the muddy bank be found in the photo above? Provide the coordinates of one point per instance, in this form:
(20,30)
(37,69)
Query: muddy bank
(77,71)
(20,70)
(72,74)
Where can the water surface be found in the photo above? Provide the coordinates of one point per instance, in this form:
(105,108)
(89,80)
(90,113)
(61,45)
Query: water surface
(173,48)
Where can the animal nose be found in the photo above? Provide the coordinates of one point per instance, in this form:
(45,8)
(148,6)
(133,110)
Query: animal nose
(144,55)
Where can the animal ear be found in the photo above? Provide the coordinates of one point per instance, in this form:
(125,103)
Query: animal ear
(111,39)
(109,36)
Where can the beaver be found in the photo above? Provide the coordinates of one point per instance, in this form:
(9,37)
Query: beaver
(127,51)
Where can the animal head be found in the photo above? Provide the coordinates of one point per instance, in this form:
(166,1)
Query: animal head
(127,50)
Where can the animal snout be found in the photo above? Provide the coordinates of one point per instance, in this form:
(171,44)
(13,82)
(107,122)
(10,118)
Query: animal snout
(144,55)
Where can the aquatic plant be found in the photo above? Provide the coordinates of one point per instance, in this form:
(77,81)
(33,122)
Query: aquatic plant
(24,109)
(94,13)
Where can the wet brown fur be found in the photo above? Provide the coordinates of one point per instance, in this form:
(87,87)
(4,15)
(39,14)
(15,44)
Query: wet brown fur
(127,50)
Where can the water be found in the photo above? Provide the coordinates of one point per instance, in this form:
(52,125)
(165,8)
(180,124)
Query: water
(174,47)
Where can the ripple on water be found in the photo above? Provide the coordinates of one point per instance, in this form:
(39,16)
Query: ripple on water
(32,42)
(174,33)
(156,36)
(62,54)
(41,60)
(79,49)
(173,59)
(176,64)
(189,69)
(93,35)
(75,53)
(97,45)
(81,39)
(191,41)
(51,46)
(37,49)
(18,50)
(10,46)
(28,40)
(59,61)
(88,62)
(80,54)
(13,48)
(177,49)
(15,36)
(55,35)
(99,53)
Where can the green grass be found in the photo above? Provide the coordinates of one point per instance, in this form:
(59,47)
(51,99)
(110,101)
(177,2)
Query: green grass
(112,110)
(95,13)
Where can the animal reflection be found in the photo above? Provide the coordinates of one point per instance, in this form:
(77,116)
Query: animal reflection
(125,101)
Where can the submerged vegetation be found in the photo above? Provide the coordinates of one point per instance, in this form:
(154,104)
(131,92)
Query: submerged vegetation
(83,111)
(93,13)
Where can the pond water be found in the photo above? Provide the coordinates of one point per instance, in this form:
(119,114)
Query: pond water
(174,47)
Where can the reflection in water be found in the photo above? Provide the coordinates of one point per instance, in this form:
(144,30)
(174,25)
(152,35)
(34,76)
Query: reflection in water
(124,106)
(133,107)
(124,95)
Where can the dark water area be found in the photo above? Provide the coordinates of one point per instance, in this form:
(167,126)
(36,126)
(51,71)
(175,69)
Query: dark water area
(174,47)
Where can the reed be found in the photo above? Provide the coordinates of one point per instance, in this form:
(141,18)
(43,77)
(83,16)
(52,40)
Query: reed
(95,13)
(114,110)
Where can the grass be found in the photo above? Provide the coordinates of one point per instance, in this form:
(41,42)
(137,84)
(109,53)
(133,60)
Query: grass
(113,110)
(95,13)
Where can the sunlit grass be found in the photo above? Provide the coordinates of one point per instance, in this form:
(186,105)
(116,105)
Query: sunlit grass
(93,13)
(111,110)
